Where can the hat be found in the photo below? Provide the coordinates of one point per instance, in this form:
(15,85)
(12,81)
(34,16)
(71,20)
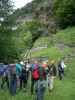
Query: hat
(52,62)
(22,63)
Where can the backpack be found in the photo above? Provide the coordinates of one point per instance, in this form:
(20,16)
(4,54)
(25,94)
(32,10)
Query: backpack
(23,73)
(35,74)
(60,67)
(42,73)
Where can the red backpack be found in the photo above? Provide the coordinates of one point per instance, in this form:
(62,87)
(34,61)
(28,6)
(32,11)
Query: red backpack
(35,74)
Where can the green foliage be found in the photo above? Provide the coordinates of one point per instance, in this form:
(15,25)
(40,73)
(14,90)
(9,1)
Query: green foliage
(37,9)
(64,90)
(5,8)
(65,12)
(59,45)
(34,27)
(44,41)
(52,53)
(66,36)
(41,42)
(30,31)
(7,50)
(23,41)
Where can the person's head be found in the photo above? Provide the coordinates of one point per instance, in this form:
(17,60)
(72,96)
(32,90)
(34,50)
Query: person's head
(52,62)
(35,62)
(21,62)
(44,64)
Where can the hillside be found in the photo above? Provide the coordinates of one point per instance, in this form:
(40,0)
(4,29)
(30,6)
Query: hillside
(30,33)
(37,9)
(59,45)
(64,89)
(67,37)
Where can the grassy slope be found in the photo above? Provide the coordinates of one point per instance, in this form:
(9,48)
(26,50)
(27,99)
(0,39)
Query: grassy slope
(43,41)
(66,36)
(52,53)
(63,90)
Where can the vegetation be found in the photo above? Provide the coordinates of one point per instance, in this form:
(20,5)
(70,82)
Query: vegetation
(59,45)
(42,42)
(35,24)
(28,33)
(66,36)
(64,11)
(7,50)
(63,90)
(33,27)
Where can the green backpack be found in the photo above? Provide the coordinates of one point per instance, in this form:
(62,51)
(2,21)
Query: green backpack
(42,73)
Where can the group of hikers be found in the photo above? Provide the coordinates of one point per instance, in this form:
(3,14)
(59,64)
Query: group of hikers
(42,75)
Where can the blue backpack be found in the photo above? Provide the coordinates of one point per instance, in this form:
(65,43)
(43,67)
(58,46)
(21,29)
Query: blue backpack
(2,69)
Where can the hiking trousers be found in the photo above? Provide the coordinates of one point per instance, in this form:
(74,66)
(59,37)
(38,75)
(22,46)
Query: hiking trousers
(32,85)
(13,86)
(39,90)
(23,82)
(61,75)
(5,80)
(50,82)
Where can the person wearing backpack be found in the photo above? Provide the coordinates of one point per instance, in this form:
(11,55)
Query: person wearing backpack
(45,66)
(51,74)
(5,78)
(28,66)
(34,74)
(40,83)
(23,77)
(18,72)
(13,79)
(60,70)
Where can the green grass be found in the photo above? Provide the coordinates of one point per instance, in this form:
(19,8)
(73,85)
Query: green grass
(66,36)
(63,90)
(43,41)
(52,53)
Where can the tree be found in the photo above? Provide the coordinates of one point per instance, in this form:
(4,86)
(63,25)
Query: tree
(6,43)
(26,35)
(65,12)
(35,28)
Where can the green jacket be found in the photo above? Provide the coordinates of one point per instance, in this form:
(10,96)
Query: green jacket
(42,73)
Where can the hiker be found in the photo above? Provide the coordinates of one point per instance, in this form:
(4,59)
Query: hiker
(51,74)
(13,79)
(5,78)
(40,83)
(34,75)
(23,78)
(61,67)
(45,66)
(18,68)
(18,71)
(28,66)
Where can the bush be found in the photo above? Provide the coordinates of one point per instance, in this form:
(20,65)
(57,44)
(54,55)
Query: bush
(65,12)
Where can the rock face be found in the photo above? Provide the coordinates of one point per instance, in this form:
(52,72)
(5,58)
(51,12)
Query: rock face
(37,9)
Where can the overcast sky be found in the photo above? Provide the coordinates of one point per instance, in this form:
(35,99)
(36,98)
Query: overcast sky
(20,3)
